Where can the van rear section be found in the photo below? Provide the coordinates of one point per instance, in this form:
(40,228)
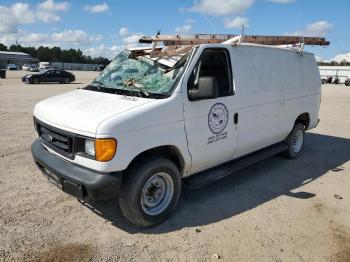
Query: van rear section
(275,86)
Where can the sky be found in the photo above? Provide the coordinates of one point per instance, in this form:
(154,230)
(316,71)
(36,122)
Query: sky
(104,28)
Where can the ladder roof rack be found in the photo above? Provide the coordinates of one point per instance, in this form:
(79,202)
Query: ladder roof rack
(181,44)
(197,39)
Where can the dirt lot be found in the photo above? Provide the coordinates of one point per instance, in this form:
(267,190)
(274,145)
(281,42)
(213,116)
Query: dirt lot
(277,210)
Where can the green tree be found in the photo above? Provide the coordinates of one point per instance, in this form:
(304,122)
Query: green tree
(44,54)
(3,47)
(56,54)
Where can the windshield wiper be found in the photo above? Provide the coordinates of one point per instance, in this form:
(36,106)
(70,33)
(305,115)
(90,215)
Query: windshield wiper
(132,83)
(100,85)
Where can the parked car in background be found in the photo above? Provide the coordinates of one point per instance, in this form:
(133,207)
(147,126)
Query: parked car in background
(59,76)
(99,68)
(12,67)
(327,80)
(336,80)
(33,68)
(25,67)
(45,68)
(44,65)
(347,81)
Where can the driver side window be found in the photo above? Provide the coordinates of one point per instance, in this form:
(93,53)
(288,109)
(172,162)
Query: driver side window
(213,63)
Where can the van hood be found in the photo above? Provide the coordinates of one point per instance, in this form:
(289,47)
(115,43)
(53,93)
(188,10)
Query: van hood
(83,110)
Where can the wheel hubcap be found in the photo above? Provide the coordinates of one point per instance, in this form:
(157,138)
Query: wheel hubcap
(157,193)
(298,139)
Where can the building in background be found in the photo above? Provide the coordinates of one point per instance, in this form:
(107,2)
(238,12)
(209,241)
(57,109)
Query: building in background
(17,58)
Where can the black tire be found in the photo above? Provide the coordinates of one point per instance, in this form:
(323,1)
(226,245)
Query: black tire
(294,151)
(36,81)
(66,80)
(133,188)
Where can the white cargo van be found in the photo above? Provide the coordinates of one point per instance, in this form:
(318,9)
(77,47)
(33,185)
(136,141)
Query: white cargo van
(145,125)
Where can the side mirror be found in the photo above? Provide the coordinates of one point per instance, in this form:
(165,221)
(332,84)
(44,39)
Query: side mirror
(208,88)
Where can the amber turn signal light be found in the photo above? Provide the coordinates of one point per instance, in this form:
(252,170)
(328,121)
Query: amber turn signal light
(105,149)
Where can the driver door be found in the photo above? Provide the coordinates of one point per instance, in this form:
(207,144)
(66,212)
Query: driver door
(211,124)
(48,76)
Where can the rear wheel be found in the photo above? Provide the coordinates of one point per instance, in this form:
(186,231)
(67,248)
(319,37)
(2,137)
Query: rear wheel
(66,80)
(150,191)
(295,141)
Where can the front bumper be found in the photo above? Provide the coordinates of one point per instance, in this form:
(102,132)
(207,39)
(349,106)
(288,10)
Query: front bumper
(75,180)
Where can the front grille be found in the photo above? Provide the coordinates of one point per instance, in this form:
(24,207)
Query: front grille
(58,140)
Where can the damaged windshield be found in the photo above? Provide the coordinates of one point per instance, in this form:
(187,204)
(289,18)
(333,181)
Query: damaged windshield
(142,75)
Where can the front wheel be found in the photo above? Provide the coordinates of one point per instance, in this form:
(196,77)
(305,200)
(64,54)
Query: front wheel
(295,141)
(66,80)
(150,191)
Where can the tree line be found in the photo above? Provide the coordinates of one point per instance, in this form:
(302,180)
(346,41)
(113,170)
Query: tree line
(334,63)
(56,54)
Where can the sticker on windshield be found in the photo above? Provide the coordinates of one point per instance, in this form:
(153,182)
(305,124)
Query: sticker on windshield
(218,118)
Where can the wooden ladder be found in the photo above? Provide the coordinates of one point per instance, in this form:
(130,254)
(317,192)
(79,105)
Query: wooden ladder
(197,39)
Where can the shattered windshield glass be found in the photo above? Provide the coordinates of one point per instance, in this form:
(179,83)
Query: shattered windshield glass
(141,74)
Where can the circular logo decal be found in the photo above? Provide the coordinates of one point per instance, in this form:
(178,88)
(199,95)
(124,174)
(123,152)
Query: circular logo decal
(218,118)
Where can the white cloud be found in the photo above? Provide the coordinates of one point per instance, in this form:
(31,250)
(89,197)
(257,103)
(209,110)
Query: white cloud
(9,23)
(22,12)
(47,17)
(342,57)
(25,38)
(64,39)
(237,22)
(319,28)
(47,10)
(129,39)
(123,31)
(220,7)
(33,39)
(282,1)
(52,6)
(75,37)
(132,39)
(183,29)
(12,16)
(103,51)
(95,9)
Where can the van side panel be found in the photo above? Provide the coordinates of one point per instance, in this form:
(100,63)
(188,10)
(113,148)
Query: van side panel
(275,87)
(303,94)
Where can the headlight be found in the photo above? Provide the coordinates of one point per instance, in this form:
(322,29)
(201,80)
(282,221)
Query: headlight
(102,150)
(90,147)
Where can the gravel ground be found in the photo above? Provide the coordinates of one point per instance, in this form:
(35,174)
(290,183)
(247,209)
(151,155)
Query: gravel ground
(276,210)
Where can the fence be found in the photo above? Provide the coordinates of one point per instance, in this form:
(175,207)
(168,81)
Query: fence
(343,72)
(73,66)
